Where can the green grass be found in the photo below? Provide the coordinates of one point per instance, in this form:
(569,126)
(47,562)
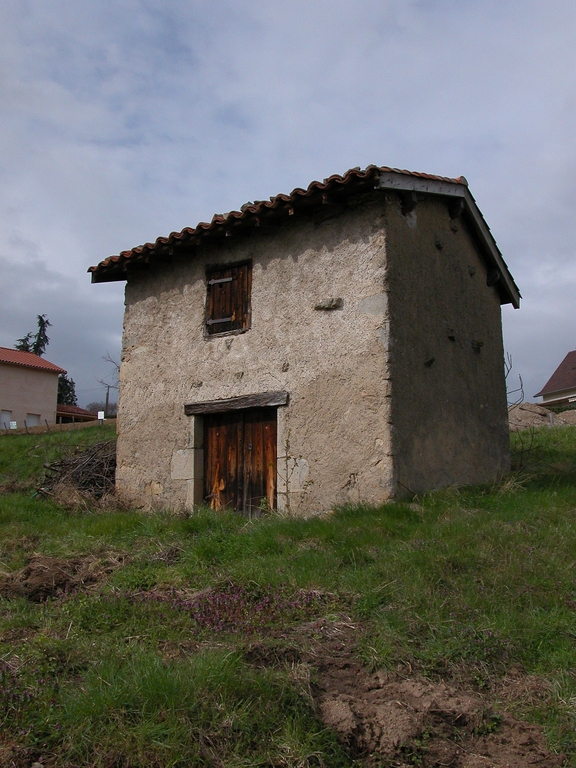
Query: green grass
(467,584)
(22,457)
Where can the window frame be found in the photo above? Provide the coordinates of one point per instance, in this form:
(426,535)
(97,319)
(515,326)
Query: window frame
(34,416)
(244,301)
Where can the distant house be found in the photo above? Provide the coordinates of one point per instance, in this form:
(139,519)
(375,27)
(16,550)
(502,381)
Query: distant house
(28,389)
(341,343)
(560,389)
(66,414)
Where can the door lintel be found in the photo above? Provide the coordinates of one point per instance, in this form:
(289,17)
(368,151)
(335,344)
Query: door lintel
(260,400)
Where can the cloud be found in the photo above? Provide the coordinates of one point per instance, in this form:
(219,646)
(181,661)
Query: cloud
(83,328)
(125,120)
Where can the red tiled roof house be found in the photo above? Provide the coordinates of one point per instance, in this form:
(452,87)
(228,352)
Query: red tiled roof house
(68,414)
(560,389)
(28,389)
(337,344)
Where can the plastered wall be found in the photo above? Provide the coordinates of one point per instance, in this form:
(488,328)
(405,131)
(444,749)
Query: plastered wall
(334,436)
(25,390)
(400,391)
(446,356)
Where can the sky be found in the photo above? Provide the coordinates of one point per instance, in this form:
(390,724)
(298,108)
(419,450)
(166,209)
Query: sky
(124,120)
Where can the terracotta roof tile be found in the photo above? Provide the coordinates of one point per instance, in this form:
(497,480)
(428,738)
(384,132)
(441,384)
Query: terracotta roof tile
(334,189)
(564,377)
(262,207)
(73,410)
(28,360)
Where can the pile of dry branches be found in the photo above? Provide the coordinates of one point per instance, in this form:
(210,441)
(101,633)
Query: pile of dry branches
(87,473)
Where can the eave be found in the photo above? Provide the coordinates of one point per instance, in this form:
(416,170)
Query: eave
(333,191)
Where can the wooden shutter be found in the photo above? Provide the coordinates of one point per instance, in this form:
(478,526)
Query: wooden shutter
(228,301)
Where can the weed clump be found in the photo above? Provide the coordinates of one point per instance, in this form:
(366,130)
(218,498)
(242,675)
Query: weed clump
(242,608)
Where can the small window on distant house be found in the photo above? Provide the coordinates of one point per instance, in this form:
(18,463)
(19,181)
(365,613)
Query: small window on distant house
(32,419)
(228,301)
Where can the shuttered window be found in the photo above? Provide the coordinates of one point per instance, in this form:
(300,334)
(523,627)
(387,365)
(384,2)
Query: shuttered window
(228,300)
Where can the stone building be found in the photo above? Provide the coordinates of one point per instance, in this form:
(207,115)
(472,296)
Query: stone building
(338,344)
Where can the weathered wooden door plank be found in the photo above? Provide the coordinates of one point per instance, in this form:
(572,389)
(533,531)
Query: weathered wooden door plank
(240,460)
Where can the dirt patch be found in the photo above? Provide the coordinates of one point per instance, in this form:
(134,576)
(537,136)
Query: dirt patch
(568,417)
(248,608)
(384,718)
(527,415)
(418,722)
(44,577)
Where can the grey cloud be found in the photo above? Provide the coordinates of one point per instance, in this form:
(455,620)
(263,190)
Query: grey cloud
(127,120)
(83,328)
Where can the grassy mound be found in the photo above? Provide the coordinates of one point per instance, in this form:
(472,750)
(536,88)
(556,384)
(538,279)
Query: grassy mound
(207,640)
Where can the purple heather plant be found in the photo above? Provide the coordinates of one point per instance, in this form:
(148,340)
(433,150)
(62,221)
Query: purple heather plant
(241,607)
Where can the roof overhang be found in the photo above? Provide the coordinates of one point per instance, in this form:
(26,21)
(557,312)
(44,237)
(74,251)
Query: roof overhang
(27,360)
(560,394)
(566,399)
(332,191)
(459,189)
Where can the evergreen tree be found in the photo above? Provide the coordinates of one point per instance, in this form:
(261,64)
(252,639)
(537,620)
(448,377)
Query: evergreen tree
(66,391)
(25,343)
(35,343)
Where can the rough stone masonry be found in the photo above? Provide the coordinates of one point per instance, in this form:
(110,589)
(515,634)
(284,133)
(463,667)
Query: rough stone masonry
(373,314)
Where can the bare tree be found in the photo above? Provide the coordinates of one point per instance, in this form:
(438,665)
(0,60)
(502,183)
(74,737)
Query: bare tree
(116,365)
(100,405)
(519,391)
(114,384)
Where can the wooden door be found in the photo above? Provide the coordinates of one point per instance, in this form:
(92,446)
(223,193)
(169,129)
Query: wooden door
(240,460)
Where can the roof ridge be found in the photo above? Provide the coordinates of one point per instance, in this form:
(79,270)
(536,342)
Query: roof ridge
(251,209)
(331,190)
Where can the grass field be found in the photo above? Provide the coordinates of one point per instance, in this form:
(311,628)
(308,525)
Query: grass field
(163,640)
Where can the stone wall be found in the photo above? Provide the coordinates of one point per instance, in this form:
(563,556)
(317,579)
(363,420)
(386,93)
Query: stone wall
(416,344)
(334,436)
(446,355)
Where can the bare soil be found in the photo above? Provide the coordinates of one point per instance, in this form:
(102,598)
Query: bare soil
(386,718)
(44,577)
(419,722)
(527,415)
